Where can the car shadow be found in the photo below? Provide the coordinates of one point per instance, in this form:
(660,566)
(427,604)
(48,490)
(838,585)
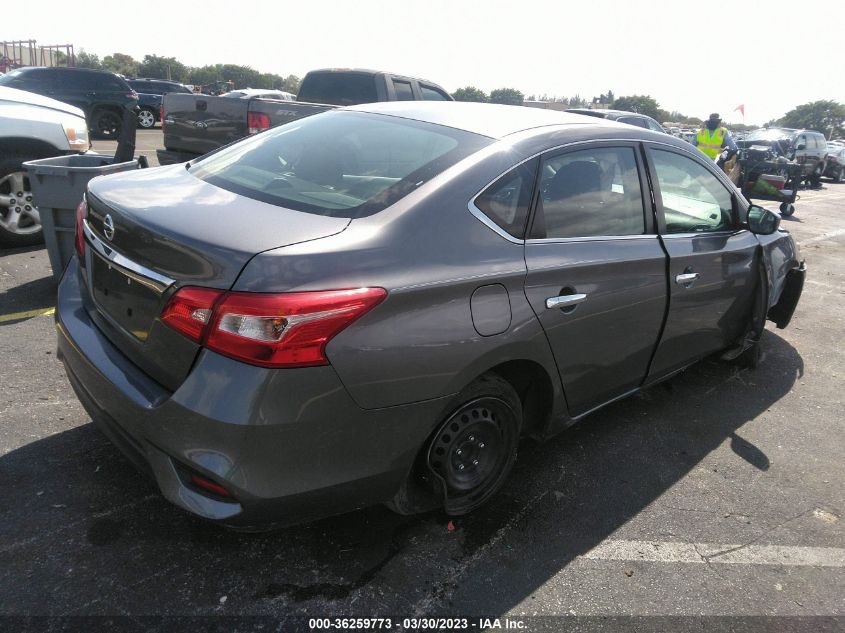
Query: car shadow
(91,536)
(32,295)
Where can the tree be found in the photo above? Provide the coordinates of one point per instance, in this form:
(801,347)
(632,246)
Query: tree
(507,96)
(824,116)
(641,104)
(291,84)
(575,102)
(121,64)
(156,67)
(88,60)
(470,93)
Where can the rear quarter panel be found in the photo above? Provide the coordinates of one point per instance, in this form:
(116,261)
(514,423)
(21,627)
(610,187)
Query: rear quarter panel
(431,254)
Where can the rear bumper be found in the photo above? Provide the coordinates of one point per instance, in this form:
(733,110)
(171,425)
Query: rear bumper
(171,157)
(290,445)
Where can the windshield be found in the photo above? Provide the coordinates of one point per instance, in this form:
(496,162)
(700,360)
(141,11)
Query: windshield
(345,164)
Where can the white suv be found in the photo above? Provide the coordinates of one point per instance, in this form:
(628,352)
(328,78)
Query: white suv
(31,127)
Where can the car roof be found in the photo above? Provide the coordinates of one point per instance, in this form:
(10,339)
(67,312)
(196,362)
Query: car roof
(67,69)
(601,112)
(486,119)
(370,71)
(164,81)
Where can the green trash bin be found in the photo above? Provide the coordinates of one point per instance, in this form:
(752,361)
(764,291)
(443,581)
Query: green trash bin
(57,188)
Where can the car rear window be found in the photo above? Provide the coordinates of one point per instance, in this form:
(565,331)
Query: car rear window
(343,164)
(338,88)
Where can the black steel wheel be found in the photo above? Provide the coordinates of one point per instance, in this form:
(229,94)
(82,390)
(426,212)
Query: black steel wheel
(787,209)
(473,451)
(107,124)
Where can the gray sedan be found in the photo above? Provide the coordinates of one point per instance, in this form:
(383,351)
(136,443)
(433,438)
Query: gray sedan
(373,305)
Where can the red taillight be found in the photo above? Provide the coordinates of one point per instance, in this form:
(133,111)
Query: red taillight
(268,330)
(161,116)
(81,214)
(190,310)
(210,486)
(257,122)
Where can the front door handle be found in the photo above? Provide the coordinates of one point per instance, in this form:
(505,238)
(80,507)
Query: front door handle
(563,301)
(686,279)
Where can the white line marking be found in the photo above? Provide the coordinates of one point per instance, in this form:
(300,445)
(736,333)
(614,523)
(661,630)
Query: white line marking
(822,238)
(672,552)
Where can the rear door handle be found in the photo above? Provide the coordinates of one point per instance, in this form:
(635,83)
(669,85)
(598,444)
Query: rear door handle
(686,279)
(562,301)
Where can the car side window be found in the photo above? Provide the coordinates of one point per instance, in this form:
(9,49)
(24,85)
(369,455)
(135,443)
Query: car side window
(633,120)
(654,125)
(403,90)
(430,93)
(34,79)
(507,200)
(591,192)
(694,200)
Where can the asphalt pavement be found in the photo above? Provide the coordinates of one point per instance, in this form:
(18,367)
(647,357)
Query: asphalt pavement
(719,493)
(146,144)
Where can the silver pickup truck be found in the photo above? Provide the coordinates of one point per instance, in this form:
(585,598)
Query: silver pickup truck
(194,125)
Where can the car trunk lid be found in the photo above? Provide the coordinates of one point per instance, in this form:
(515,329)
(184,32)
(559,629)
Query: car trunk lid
(154,231)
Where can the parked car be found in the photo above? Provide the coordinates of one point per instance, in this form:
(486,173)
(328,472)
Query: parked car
(195,125)
(31,127)
(150,92)
(806,147)
(260,93)
(373,304)
(834,167)
(631,118)
(101,95)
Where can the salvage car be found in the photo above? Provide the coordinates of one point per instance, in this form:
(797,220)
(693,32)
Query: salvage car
(806,148)
(31,127)
(373,304)
(834,167)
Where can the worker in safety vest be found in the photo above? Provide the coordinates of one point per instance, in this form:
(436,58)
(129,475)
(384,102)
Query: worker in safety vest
(713,138)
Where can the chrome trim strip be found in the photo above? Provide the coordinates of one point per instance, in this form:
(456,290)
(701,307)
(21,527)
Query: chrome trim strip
(676,236)
(113,257)
(486,221)
(591,238)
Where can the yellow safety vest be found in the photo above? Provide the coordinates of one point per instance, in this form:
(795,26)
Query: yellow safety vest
(711,142)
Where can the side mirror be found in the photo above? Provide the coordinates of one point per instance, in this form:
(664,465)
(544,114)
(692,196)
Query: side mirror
(801,146)
(762,221)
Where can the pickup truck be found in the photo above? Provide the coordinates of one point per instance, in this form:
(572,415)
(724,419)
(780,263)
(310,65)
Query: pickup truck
(197,124)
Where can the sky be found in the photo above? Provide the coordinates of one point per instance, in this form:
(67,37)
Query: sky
(694,57)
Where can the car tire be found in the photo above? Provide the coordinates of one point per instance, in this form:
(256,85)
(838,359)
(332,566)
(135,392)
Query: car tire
(20,224)
(107,124)
(146,119)
(787,209)
(840,175)
(473,450)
